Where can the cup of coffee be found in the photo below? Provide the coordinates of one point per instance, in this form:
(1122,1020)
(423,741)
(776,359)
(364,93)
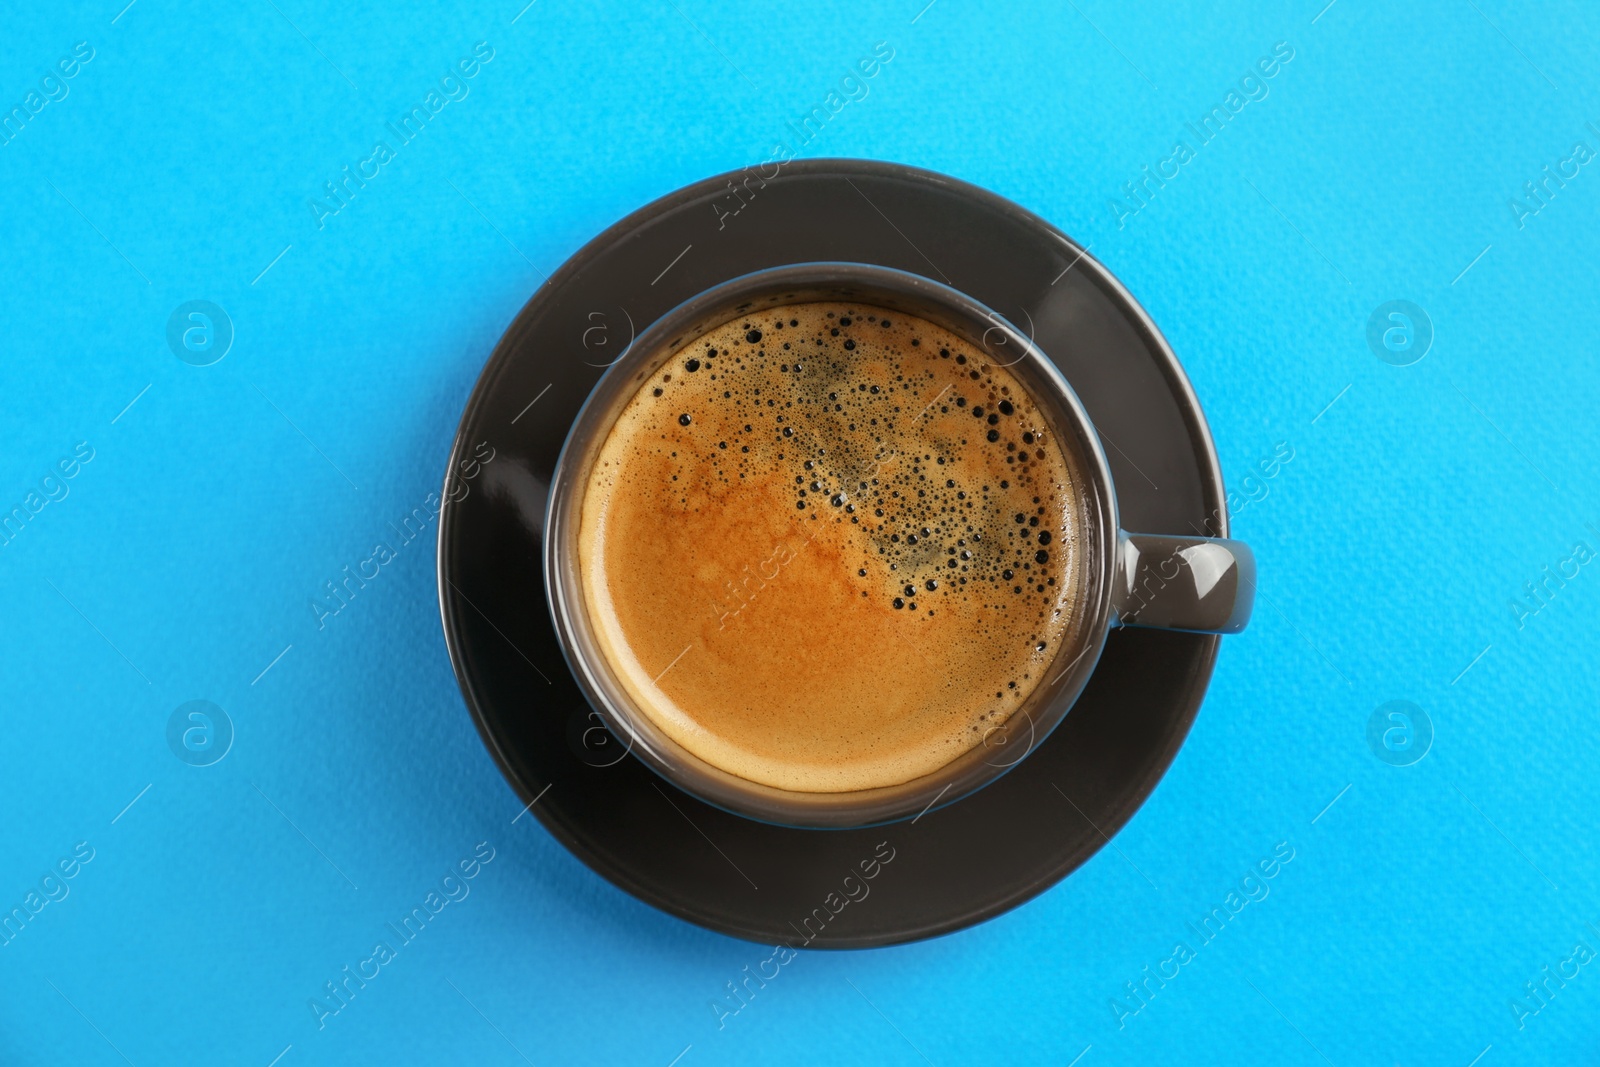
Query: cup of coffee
(832,544)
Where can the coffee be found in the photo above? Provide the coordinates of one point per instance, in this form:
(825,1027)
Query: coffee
(828,547)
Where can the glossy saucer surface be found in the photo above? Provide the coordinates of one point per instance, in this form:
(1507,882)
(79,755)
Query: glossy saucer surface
(950,867)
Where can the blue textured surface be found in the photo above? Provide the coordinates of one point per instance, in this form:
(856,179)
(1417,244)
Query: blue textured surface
(1377,164)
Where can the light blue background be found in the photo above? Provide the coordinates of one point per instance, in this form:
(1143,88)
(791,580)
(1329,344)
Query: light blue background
(1379,166)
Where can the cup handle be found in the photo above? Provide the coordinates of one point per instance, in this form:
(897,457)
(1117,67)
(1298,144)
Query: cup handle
(1201,584)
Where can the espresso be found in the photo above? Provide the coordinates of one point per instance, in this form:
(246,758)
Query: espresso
(829,547)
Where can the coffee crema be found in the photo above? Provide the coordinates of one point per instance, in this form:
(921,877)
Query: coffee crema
(828,547)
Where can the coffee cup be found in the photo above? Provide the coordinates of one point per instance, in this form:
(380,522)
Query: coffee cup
(785,758)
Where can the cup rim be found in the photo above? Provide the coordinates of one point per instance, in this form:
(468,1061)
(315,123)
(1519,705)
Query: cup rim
(871,285)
